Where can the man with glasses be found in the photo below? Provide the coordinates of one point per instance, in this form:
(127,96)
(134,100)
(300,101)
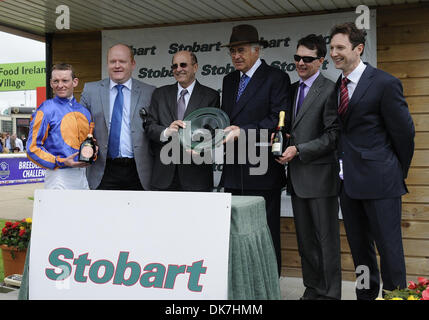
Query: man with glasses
(124,159)
(312,177)
(253,96)
(170,104)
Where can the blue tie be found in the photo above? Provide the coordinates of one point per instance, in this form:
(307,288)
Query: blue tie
(115,124)
(300,98)
(242,85)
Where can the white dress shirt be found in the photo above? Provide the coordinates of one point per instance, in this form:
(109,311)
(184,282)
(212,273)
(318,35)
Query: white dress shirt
(354,78)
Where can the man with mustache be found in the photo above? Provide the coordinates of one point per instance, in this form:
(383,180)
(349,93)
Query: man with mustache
(170,104)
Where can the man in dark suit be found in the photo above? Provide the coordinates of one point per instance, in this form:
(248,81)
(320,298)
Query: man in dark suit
(375,149)
(252,96)
(312,177)
(124,159)
(169,106)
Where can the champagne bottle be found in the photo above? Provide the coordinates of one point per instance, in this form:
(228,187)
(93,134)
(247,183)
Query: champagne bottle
(87,148)
(279,140)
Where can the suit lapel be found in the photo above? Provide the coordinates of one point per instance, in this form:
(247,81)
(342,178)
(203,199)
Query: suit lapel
(135,95)
(172,100)
(105,100)
(252,88)
(311,96)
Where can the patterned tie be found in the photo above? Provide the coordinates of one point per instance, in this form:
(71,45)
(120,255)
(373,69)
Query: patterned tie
(242,85)
(300,98)
(115,124)
(344,97)
(181,105)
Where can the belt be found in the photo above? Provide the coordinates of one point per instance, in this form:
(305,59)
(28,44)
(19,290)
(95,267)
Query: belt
(121,161)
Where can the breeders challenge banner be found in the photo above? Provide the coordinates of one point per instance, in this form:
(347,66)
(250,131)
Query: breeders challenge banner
(17,169)
(154,47)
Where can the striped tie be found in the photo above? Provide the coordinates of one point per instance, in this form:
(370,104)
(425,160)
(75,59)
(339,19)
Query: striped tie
(344,97)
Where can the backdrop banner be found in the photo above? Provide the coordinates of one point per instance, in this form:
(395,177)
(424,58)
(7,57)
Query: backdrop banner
(129,245)
(155,47)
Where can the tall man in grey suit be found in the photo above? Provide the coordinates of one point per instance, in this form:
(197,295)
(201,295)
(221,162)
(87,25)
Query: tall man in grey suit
(312,178)
(124,158)
(169,106)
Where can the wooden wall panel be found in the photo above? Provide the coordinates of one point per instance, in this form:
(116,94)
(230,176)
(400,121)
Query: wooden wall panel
(401,52)
(421,142)
(83,51)
(418,105)
(406,69)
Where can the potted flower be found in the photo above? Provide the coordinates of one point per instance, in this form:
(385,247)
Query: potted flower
(415,291)
(14,240)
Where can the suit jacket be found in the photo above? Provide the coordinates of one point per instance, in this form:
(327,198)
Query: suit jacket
(265,96)
(314,130)
(162,112)
(377,137)
(95,97)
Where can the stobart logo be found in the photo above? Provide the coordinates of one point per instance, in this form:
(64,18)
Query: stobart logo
(154,275)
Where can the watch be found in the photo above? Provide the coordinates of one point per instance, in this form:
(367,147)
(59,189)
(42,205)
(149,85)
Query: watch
(297,150)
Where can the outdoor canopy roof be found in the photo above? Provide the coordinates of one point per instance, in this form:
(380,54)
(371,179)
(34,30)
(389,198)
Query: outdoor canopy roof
(38,17)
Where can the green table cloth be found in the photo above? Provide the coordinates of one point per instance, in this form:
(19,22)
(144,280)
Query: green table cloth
(252,268)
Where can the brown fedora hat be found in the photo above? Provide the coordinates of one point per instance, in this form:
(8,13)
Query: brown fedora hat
(244,34)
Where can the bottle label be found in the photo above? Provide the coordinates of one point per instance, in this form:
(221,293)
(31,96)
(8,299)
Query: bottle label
(87,151)
(276,147)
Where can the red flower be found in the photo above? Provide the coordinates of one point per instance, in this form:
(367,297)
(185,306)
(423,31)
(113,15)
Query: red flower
(21,232)
(412,285)
(423,281)
(8,224)
(425,294)
(4,230)
(15,225)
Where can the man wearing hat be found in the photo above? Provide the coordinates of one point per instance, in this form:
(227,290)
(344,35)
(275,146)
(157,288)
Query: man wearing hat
(252,96)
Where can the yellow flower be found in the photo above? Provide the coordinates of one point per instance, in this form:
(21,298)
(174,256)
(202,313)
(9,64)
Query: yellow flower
(396,298)
(379,298)
(21,228)
(413,298)
(28,220)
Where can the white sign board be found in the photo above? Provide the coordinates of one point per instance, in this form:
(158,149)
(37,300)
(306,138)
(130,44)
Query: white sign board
(155,47)
(129,245)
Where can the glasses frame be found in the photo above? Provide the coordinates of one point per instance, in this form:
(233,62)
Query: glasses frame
(182,65)
(305,59)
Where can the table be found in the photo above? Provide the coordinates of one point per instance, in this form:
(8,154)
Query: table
(252,261)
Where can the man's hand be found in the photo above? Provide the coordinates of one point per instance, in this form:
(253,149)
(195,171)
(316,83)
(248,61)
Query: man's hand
(69,162)
(233,132)
(288,155)
(174,128)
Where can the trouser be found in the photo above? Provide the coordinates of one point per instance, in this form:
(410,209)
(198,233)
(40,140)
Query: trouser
(318,236)
(369,222)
